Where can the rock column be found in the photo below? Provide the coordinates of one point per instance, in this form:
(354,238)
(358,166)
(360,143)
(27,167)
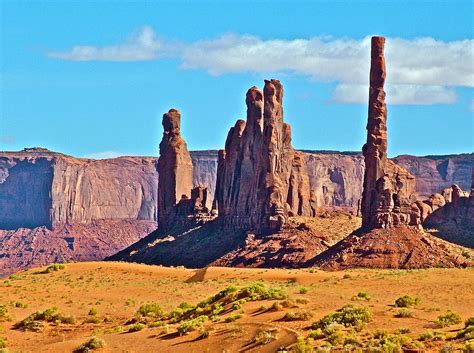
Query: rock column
(175,170)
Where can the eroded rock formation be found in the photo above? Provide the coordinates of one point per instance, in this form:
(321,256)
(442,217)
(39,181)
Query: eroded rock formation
(389,190)
(261,179)
(175,169)
(178,202)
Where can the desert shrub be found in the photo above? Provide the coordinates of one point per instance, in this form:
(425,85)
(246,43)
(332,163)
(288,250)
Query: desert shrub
(361,296)
(203,332)
(181,310)
(448,319)
(348,315)
(302,300)
(303,346)
(351,341)
(233,317)
(447,349)
(223,293)
(265,336)
(54,268)
(403,330)
(191,325)
(136,327)
(469,322)
(156,324)
(336,338)
(16,304)
(258,291)
(316,334)
(303,290)
(3,344)
(406,301)
(93,320)
(468,347)
(385,342)
(425,336)
(302,315)
(466,333)
(150,310)
(92,312)
(404,313)
(4,316)
(90,345)
(33,322)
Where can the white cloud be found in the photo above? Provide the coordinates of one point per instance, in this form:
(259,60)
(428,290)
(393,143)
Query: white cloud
(437,65)
(396,94)
(471,106)
(104,155)
(142,45)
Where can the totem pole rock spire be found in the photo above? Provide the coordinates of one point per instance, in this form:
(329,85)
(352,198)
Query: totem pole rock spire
(175,169)
(389,189)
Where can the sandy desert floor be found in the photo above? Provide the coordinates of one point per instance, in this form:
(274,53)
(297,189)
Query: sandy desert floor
(103,299)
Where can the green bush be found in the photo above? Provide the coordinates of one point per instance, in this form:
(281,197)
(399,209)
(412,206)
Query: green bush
(265,336)
(150,310)
(425,336)
(303,346)
(4,316)
(448,319)
(3,344)
(302,315)
(54,268)
(303,290)
(258,291)
(33,322)
(191,325)
(466,333)
(316,334)
(16,304)
(136,327)
(468,347)
(348,315)
(92,312)
(406,301)
(361,296)
(469,322)
(404,313)
(233,317)
(90,345)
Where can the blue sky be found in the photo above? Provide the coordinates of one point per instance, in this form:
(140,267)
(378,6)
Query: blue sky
(93,78)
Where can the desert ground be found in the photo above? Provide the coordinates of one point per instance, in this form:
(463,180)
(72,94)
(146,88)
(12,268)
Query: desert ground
(257,310)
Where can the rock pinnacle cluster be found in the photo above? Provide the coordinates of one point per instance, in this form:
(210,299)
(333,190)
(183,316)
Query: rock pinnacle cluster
(261,179)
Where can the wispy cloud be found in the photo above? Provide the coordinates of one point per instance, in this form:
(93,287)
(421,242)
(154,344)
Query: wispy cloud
(104,155)
(140,46)
(396,94)
(438,66)
(7,139)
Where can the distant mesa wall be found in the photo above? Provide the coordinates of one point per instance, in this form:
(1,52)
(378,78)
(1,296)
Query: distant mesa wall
(39,188)
(25,192)
(46,188)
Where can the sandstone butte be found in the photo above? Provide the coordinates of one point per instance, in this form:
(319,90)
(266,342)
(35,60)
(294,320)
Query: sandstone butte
(392,234)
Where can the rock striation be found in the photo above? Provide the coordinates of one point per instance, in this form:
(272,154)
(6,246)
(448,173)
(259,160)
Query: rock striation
(388,190)
(261,179)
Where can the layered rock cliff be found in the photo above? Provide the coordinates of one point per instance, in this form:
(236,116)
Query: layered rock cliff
(87,189)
